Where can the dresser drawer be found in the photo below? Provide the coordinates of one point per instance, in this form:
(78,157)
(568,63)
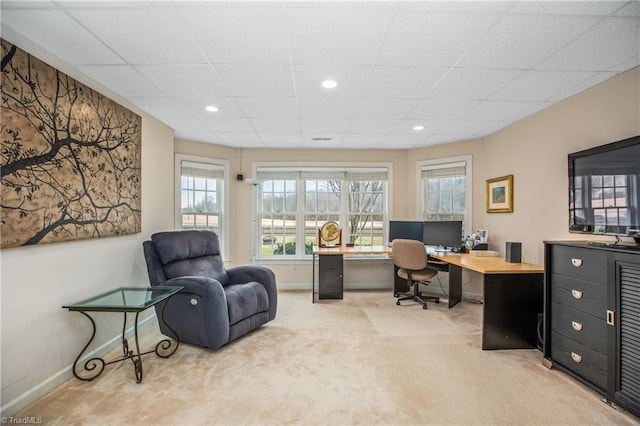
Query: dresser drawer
(578,358)
(581,263)
(580,295)
(583,328)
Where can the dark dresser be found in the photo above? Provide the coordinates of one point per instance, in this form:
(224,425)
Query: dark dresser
(592,317)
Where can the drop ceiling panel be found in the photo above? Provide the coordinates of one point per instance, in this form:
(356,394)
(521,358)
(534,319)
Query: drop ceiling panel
(602,8)
(362,140)
(500,110)
(442,109)
(227,125)
(337,36)
(458,6)
(257,80)
(160,107)
(72,43)
(402,141)
(206,137)
(385,108)
(612,41)
(324,125)
(160,38)
(406,127)
(241,139)
(276,125)
(466,83)
(191,124)
(240,35)
(541,85)
(227,107)
(402,82)
(359,126)
(432,39)
(466,127)
(183,80)
(121,79)
(631,8)
(268,107)
(282,140)
(584,85)
(328,108)
(351,80)
(520,42)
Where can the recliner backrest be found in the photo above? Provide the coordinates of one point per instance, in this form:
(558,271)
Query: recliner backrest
(184,253)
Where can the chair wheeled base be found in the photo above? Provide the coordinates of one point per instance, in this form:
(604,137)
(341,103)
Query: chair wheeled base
(418,297)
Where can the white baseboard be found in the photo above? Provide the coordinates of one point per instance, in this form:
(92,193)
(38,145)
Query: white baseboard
(14,406)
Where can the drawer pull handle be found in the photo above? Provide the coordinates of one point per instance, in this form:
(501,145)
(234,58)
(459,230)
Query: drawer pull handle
(576,325)
(577,294)
(575,357)
(576,262)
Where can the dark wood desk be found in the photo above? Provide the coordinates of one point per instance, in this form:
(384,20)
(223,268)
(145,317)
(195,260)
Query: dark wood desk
(512,298)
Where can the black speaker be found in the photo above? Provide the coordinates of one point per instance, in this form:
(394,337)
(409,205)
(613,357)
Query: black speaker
(513,253)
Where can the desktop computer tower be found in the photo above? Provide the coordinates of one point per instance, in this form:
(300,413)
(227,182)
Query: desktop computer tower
(513,252)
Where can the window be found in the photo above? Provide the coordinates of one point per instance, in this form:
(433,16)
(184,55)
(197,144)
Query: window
(445,190)
(294,202)
(200,194)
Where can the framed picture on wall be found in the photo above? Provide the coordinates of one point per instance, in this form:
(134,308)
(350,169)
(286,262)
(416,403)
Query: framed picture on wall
(500,194)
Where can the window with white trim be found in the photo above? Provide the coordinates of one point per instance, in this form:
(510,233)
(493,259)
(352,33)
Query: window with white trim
(445,190)
(201,194)
(294,202)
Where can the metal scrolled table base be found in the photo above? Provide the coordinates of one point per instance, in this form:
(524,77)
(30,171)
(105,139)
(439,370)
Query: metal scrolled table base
(95,366)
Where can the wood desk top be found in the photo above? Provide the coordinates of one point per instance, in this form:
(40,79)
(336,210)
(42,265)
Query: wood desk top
(488,265)
(352,250)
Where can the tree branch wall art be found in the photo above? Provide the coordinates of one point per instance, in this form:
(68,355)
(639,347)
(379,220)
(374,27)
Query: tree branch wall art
(70,157)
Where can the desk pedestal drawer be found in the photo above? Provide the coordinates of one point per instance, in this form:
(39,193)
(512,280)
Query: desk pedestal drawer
(580,359)
(330,277)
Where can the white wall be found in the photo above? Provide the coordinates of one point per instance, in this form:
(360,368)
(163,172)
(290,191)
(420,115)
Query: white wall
(40,340)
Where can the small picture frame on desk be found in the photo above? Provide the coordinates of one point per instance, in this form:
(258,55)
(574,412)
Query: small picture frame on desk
(500,194)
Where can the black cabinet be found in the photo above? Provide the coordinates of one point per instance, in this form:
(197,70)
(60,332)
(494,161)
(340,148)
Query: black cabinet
(592,317)
(330,276)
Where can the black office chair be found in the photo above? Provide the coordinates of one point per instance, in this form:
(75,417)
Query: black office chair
(411,259)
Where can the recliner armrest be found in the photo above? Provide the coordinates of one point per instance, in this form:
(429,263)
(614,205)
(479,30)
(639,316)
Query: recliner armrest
(260,274)
(202,298)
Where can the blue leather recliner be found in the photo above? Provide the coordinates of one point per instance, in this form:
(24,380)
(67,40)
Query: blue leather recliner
(216,305)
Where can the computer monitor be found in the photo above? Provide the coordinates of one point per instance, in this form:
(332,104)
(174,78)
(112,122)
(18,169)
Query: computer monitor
(443,233)
(405,229)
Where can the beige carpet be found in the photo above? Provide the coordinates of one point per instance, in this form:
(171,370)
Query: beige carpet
(361,360)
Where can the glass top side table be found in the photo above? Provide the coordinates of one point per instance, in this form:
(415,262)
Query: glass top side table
(124,300)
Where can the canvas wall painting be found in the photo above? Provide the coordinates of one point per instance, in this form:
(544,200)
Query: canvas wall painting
(70,157)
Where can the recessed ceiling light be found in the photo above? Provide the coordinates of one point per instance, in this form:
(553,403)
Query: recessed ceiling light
(211,108)
(329,84)
(418,128)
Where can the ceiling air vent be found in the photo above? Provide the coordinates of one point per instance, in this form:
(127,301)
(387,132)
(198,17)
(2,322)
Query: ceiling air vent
(320,139)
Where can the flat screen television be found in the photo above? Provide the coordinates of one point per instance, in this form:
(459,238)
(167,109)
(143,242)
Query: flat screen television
(405,229)
(443,233)
(604,189)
